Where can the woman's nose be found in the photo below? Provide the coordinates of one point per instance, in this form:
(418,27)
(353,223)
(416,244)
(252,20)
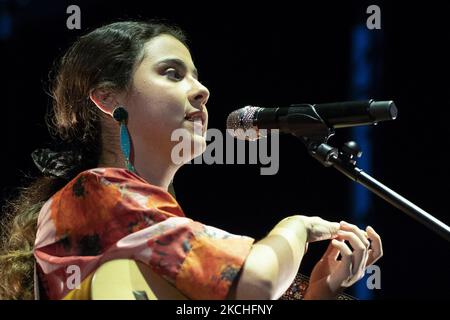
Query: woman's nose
(199,95)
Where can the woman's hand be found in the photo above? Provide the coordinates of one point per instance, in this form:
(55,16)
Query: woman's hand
(318,229)
(330,276)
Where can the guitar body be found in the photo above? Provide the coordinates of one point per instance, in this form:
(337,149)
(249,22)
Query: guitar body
(126,279)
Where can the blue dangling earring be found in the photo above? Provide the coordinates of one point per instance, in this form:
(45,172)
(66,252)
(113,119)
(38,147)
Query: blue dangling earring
(121,116)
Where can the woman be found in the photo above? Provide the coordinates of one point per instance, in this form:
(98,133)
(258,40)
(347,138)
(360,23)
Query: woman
(119,94)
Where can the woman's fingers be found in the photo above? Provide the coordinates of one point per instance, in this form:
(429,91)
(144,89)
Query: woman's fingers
(332,252)
(376,251)
(352,265)
(360,233)
(359,251)
(343,273)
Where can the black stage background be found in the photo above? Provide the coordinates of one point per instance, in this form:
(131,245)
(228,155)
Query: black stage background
(275,54)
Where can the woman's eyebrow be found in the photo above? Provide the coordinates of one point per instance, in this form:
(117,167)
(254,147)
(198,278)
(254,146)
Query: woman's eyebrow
(180,63)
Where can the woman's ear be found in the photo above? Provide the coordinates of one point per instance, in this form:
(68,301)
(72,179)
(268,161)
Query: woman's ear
(106,100)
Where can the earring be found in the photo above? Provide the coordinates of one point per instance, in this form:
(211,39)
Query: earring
(121,116)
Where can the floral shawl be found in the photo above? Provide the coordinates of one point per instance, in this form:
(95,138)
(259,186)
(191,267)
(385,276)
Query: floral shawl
(111,213)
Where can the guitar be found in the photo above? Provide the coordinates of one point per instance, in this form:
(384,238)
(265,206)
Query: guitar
(125,279)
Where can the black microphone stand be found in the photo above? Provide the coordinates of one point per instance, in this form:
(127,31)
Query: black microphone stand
(344,160)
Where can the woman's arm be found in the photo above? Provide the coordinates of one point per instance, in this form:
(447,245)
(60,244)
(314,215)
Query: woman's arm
(273,262)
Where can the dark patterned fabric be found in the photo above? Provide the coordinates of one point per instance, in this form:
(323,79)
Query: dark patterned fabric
(56,164)
(298,288)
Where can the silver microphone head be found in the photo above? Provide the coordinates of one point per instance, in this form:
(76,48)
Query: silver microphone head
(240,124)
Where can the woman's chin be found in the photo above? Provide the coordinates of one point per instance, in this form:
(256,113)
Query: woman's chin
(184,153)
(198,146)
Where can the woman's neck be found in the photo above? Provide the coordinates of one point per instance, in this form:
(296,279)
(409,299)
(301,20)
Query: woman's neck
(155,170)
(151,165)
(151,170)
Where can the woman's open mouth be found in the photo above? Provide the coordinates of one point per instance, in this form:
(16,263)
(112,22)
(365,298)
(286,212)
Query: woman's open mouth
(198,119)
(198,126)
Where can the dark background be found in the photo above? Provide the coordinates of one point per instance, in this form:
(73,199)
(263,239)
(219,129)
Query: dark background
(275,54)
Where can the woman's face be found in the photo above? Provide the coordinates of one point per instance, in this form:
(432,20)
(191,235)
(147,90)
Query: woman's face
(166,95)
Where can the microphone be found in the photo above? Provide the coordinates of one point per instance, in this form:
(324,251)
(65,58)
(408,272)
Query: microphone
(307,119)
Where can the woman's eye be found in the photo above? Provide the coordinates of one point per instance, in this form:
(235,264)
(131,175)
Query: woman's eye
(173,74)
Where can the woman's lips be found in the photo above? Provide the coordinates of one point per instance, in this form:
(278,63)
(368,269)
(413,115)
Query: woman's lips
(197,124)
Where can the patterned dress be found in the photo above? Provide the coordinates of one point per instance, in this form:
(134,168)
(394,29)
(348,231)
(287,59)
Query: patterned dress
(111,213)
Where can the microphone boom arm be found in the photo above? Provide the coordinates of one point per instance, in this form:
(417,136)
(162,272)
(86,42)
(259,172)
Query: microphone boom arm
(344,160)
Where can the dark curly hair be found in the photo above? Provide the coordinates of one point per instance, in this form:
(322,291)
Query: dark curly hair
(105,57)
